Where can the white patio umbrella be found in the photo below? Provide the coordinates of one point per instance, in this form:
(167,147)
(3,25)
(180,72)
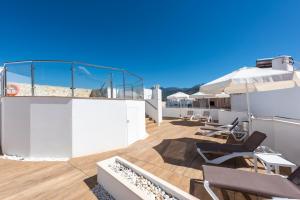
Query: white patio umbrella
(221,96)
(201,95)
(249,79)
(178,96)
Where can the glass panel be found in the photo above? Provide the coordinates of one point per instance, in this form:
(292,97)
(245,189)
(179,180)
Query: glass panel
(18,78)
(133,87)
(52,79)
(118,84)
(91,81)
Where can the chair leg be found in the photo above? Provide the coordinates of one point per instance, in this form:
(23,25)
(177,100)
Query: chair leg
(202,155)
(209,190)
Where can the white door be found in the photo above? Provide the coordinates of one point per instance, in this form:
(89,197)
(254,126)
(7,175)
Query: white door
(132,124)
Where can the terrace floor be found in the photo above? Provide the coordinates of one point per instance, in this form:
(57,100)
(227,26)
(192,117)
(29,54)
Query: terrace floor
(169,153)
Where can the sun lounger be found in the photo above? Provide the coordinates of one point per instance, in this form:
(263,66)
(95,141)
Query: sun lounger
(262,185)
(217,131)
(245,149)
(189,115)
(222,125)
(236,134)
(206,116)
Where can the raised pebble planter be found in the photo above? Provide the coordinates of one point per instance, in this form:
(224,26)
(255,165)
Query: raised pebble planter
(124,180)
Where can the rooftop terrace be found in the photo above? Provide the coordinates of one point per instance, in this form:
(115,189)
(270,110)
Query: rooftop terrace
(169,153)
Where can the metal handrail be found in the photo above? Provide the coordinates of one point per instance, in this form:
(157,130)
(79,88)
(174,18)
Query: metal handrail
(72,63)
(150,104)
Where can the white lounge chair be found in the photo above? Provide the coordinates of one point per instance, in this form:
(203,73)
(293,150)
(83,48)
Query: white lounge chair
(222,125)
(245,149)
(233,130)
(189,115)
(205,116)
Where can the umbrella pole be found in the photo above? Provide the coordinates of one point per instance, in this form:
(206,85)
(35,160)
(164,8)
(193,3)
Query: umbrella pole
(180,107)
(209,104)
(248,109)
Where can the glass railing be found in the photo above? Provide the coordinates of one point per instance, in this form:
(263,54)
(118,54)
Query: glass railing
(69,79)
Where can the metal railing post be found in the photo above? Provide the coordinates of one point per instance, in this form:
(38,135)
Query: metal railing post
(72,79)
(32,78)
(5,81)
(143,94)
(124,92)
(111,86)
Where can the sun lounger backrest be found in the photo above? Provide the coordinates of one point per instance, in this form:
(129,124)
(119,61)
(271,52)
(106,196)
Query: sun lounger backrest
(254,141)
(206,113)
(234,125)
(295,177)
(190,112)
(234,121)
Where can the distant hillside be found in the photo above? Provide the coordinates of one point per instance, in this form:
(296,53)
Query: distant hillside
(171,90)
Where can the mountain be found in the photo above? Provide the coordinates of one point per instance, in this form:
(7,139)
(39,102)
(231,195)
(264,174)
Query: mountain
(171,90)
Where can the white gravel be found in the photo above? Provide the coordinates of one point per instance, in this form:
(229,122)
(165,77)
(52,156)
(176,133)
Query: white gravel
(101,193)
(153,191)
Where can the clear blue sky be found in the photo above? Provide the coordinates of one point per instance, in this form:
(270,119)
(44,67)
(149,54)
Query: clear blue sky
(173,43)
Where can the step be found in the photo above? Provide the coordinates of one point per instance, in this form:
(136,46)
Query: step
(151,125)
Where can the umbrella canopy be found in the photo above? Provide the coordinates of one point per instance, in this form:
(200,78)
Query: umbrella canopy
(222,95)
(249,79)
(201,95)
(178,95)
(296,77)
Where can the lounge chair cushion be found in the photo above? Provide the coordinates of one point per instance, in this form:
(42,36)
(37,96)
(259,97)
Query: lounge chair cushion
(249,182)
(295,177)
(220,148)
(248,146)
(254,140)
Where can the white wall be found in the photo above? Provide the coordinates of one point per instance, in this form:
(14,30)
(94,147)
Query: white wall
(51,127)
(98,125)
(283,103)
(36,127)
(226,117)
(153,106)
(180,112)
(283,135)
(238,102)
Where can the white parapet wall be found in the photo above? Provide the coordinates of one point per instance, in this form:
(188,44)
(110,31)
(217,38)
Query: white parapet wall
(226,117)
(283,103)
(181,112)
(57,127)
(283,135)
(36,127)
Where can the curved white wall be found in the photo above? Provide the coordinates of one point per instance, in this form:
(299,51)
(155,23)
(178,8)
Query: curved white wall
(55,127)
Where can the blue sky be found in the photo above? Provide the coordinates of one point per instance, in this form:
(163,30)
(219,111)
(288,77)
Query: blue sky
(173,43)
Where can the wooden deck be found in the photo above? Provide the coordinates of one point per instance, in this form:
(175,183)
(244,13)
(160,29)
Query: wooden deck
(169,152)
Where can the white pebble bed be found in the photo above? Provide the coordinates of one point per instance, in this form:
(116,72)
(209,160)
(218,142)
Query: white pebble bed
(153,191)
